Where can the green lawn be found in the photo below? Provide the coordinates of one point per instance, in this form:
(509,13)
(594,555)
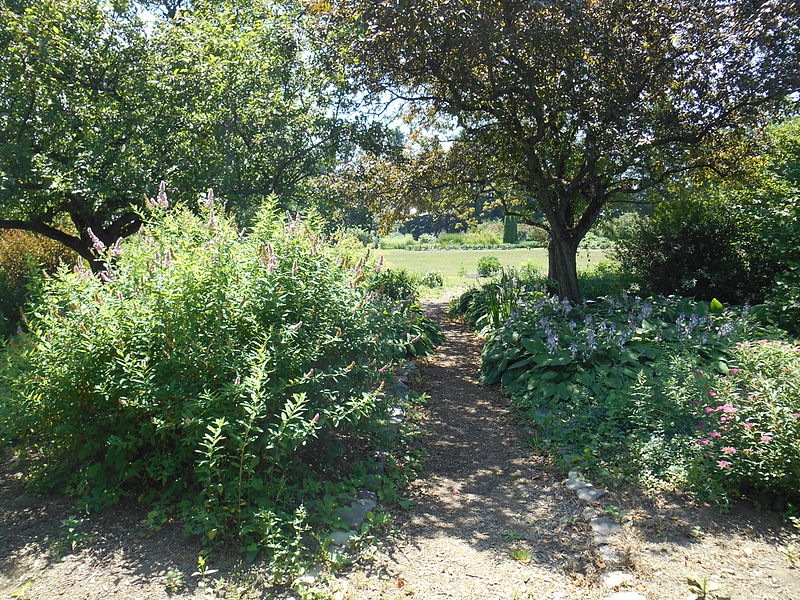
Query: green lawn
(459,266)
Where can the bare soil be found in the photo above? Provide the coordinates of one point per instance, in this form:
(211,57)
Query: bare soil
(490,519)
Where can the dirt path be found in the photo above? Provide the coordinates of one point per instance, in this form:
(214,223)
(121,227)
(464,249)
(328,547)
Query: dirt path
(482,497)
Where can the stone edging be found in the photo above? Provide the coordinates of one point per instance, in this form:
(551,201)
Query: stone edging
(604,531)
(355,514)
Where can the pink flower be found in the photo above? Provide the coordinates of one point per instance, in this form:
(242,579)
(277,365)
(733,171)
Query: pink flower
(700,426)
(723,464)
(795,415)
(714,434)
(96,243)
(695,402)
(709,410)
(727,409)
(712,394)
(724,427)
(296,326)
(724,418)
(735,371)
(702,442)
(729,450)
(766,438)
(315,419)
(748,426)
(383,369)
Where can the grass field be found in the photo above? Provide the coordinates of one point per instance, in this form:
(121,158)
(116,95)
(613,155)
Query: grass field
(459,267)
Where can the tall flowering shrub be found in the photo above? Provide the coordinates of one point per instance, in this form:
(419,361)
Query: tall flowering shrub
(214,370)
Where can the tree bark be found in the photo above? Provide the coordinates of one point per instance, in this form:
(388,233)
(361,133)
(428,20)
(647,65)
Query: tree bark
(563,262)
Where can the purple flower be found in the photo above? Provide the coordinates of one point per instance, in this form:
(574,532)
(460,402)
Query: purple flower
(162,195)
(96,243)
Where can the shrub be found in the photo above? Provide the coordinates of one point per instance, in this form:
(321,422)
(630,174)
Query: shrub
(432,279)
(782,303)
(395,284)
(23,256)
(396,241)
(488,266)
(368,239)
(227,377)
(445,239)
(510,234)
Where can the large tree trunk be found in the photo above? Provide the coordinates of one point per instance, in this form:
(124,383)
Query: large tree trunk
(563,263)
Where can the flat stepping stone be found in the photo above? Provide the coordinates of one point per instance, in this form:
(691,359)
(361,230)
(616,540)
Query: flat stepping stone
(614,579)
(573,483)
(589,513)
(604,529)
(340,537)
(611,555)
(590,494)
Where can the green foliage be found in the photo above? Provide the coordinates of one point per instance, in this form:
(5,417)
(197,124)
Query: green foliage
(488,266)
(665,391)
(23,258)
(396,241)
(432,279)
(689,247)
(223,375)
(98,105)
(396,284)
(510,230)
(782,302)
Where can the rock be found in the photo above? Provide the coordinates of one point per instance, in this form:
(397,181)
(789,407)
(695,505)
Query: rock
(626,596)
(396,415)
(614,579)
(311,575)
(574,483)
(355,514)
(340,537)
(590,494)
(589,513)
(400,390)
(604,529)
(611,554)
(574,474)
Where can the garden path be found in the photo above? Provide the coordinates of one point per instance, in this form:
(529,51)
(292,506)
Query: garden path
(486,520)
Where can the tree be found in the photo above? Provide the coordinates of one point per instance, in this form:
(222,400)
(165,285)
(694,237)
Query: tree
(79,120)
(578,102)
(98,106)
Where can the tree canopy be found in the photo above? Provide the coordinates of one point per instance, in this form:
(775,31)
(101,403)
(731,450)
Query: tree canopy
(98,105)
(579,103)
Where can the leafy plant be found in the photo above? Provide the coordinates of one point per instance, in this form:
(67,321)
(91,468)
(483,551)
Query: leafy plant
(432,279)
(223,376)
(488,266)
